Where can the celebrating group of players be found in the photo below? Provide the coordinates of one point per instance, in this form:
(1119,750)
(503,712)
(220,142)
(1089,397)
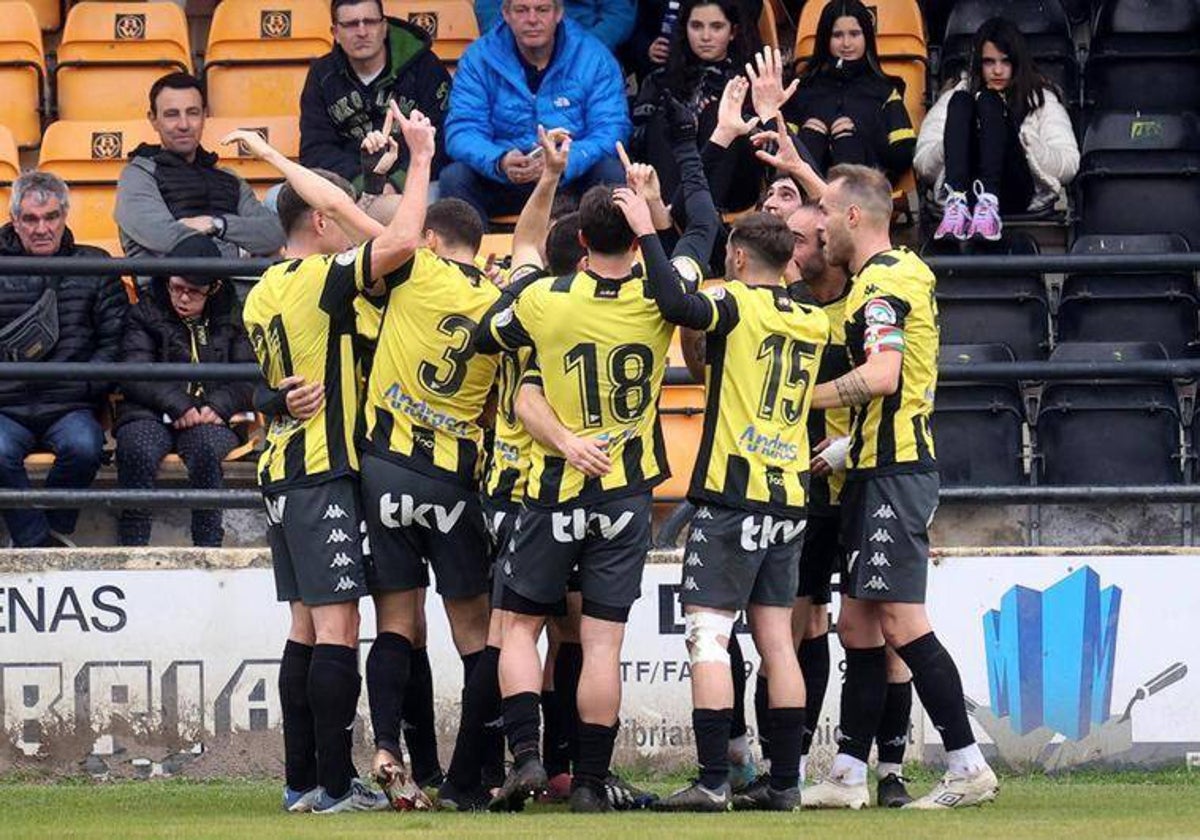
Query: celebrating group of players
(385,346)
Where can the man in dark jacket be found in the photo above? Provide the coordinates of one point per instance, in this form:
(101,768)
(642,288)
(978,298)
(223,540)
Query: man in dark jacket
(175,189)
(375,59)
(181,319)
(85,326)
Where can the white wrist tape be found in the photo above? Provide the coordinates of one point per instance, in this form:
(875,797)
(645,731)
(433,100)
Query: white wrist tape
(835,454)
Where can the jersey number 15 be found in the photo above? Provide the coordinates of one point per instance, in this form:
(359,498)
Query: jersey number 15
(785,369)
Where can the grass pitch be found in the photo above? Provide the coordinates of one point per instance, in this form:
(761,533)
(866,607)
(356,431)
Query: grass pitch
(1087,805)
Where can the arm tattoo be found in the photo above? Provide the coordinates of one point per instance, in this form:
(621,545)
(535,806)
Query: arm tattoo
(852,389)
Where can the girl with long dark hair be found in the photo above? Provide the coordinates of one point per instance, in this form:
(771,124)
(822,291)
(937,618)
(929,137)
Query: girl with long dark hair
(847,109)
(1000,136)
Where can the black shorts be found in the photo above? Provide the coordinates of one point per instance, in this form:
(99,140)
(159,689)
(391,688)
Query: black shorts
(414,519)
(820,556)
(500,517)
(736,557)
(316,538)
(885,536)
(607,541)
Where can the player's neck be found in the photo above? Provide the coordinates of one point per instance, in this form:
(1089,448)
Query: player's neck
(459,254)
(829,286)
(753,277)
(610,266)
(870,245)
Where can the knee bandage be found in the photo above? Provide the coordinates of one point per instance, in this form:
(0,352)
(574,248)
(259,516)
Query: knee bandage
(704,631)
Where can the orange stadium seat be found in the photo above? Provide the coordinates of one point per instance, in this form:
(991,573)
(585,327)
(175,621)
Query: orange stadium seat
(22,74)
(49,14)
(259,52)
(900,38)
(681,408)
(451,23)
(89,156)
(111,53)
(10,168)
(281,132)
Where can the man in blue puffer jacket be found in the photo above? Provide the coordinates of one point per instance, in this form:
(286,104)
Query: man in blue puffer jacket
(533,68)
(612,21)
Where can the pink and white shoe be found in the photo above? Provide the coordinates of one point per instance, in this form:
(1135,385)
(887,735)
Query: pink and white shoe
(985,222)
(956,218)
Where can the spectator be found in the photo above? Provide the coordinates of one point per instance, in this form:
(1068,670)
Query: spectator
(847,110)
(533,68)
(43,318)
(181,319)
(375,58)
(648,46)
(611,21)
(171,191)
(1002,133)
(709,46)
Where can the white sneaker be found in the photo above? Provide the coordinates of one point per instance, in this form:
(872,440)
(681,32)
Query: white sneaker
(358,798)
(955,791)
(834,793)
(301,802)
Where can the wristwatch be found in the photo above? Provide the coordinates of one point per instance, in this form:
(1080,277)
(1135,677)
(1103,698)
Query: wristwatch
(218,227)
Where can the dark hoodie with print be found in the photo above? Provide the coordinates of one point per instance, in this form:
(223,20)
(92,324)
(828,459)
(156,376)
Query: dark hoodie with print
(337,109)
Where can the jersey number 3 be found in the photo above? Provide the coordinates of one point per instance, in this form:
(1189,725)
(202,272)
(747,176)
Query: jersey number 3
(795,376)
(460,351)
(629,368)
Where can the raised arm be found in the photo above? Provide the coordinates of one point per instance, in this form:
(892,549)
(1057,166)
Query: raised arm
(529,235)
(787,159)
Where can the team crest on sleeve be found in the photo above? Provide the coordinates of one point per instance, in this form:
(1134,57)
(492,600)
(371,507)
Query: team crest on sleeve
(716,294)
(687,269)
(879,312)
(503,318)
(346,257)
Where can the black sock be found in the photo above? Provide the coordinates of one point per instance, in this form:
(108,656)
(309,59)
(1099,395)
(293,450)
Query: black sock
(521,725)
(420,728)
(761,709)
(480,707)
(787,732)
(299,737)
(595,753)
(568,665)
(814,663)
(737,669)
(935,676)
(333,686)
(712,745)
(555,748)
(892,737)
(388,666)
(862,700)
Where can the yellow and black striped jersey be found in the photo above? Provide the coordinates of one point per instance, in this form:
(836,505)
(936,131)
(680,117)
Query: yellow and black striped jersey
(428,387)
(508,466)
(601,346)
(824,491)
(761,359)
(891,308)
(301,320)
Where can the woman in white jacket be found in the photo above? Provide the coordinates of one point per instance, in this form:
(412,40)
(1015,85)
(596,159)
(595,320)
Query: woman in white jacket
(1001,133)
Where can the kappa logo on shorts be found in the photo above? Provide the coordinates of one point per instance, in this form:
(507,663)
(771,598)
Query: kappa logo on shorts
(341,561)
(881,536)
(693,559)
(885,512)
(879,560)
(344,583)
(275,509)
(334,511)
(770,532)
(876,584)
(690,585)
(572,526)
(337,535)
(697,536)
(412,513)
(703,513)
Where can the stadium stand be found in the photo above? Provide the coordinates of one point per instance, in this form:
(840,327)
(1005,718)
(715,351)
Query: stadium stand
(22,74)
(978,427)
(49,14)
(1130,307)
(681,408)
(281,132)
(1044,24)
(768,28)
(1144,55)
(1107,432)
(450,23)
(258,55)
(10,168)
(1140,173)
(89,156)
(111,53)
(900,37)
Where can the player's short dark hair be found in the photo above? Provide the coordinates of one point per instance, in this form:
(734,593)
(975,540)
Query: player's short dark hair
(456,222)
(337,4)
(563,249)
(766,237)
(602,223)
(176,81)
(293,209)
